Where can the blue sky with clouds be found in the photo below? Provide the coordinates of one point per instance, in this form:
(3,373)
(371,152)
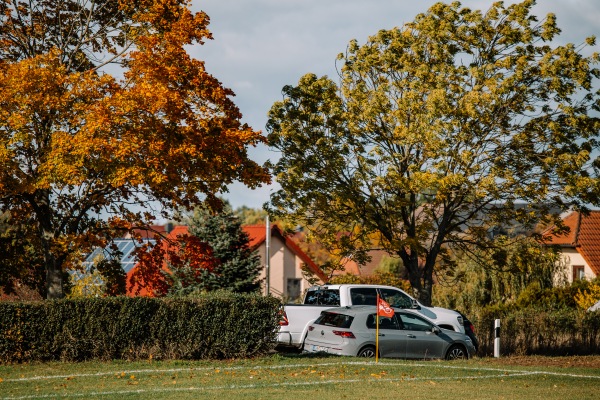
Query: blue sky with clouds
(260,46)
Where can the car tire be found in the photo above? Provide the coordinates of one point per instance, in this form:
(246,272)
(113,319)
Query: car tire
(457,352)
(367,352)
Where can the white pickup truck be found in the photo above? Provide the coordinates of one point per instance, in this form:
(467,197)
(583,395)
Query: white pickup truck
(297,317)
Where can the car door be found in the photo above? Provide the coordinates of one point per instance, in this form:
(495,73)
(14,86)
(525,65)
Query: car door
(392,339)
(421,341)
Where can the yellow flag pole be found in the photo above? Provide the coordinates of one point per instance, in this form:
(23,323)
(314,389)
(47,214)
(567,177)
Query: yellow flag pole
(377,331)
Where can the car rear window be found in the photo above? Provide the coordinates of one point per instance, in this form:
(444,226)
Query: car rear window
(328,297)
(334,319)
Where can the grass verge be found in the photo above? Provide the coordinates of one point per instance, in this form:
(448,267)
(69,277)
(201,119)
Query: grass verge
(296,377)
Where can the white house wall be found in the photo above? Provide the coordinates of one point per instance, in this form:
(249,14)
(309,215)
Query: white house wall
(284,265)
(278,258)
(572,257)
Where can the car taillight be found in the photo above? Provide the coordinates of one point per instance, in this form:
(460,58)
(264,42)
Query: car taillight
(283,321)
(345,334)
(472,328)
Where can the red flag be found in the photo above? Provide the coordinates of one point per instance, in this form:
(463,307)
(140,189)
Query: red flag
(383,308)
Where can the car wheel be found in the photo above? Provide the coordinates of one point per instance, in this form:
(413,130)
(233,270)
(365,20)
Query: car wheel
(456,352)
(367,352)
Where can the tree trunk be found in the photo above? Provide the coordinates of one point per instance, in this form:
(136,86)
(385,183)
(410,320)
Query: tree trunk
(53,264)
(54,281)
(420,278)
(54,273)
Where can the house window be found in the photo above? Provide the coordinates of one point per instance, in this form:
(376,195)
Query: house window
(578,272)
(293,288)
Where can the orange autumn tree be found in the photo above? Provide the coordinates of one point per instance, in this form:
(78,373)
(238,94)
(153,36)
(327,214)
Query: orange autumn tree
(106,120)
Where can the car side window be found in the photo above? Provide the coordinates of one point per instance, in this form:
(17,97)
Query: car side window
(384,322)
(414,323)
(396,298)
(328,297)
(363,296)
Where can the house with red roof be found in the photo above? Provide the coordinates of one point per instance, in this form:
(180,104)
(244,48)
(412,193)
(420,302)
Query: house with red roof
(283,269)
(286,260)
(580,247)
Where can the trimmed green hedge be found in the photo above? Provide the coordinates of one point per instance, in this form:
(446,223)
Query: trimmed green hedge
(212,326)
(536,330)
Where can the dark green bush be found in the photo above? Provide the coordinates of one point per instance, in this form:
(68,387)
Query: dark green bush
(539,330)
(218,325)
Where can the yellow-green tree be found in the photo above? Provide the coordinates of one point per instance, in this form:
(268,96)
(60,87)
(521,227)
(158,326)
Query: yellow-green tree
(104,116)
(435,130)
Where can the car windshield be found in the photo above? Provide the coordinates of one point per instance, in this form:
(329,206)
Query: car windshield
(335,320)
(328,297)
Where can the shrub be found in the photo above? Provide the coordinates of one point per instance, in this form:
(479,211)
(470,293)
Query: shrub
(539,330)
(220,325)
(588,294)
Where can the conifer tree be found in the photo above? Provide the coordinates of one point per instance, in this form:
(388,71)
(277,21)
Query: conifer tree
(238,266)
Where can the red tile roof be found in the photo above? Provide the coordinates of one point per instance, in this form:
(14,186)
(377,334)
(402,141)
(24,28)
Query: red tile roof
(256,233)
(584,235)
(151,231)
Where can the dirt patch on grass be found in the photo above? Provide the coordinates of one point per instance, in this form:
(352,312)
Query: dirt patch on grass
(563,362)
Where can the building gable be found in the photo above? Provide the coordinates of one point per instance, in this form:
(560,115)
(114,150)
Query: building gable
(583,237)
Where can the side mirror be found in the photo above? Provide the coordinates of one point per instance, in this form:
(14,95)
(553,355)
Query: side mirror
(436,330)
(415,304)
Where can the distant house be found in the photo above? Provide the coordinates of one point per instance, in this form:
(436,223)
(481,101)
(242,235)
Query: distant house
(285,262)
(581,246)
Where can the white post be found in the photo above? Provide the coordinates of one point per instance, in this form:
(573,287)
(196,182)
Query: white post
(497,338)
(268,258)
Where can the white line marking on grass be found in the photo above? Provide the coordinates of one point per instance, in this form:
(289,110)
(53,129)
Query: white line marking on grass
(258,386)
(274,367)
(154,371)
(507,370)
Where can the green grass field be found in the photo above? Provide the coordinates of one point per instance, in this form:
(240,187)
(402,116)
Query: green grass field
(300,377)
